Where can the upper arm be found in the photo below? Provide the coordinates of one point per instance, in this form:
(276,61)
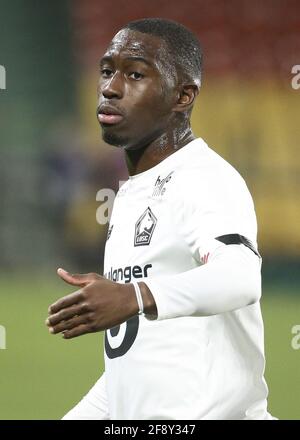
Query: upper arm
(216,205)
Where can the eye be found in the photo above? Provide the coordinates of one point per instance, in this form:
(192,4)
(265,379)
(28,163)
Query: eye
(106,73)
(136,76)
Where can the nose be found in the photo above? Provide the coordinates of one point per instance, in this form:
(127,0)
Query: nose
(113,87)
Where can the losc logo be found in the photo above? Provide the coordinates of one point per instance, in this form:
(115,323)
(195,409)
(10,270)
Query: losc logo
(2,78)
(144,228)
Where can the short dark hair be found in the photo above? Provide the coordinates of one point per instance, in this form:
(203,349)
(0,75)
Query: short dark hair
(183,44)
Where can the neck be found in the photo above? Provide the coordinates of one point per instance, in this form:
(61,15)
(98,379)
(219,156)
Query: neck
(142,159)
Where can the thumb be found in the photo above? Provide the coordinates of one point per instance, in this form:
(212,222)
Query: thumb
(73,279)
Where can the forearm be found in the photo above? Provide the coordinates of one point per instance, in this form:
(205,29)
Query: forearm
(229,281)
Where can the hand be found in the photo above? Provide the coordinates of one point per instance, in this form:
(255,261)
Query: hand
(98,305)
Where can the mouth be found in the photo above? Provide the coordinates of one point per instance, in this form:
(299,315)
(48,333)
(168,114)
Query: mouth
(108,115)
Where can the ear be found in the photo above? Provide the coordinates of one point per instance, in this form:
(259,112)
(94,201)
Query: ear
(186,96)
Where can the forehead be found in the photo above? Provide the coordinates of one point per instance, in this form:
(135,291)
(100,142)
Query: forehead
(138,44)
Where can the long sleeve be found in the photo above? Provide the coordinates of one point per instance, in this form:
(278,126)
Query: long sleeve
(230,280)
(214,202)
(93,406)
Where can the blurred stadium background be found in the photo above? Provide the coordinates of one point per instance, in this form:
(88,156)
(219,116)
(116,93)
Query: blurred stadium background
(53,162)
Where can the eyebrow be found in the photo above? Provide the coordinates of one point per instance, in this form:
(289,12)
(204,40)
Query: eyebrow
(130,58)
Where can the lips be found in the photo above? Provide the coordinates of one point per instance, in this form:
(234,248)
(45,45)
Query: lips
(109,119)
(109,115)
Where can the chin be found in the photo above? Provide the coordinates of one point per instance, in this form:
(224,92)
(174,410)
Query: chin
(124,142)
(114,139)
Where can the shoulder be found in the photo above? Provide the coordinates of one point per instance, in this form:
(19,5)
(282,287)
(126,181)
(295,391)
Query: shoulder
(204,171)
(211,195)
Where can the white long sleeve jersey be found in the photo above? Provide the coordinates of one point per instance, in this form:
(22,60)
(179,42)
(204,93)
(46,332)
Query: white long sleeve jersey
(203,357)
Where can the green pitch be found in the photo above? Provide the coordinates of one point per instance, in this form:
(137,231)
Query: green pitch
(42,376)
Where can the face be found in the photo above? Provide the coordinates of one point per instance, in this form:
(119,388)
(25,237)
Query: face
(136,91)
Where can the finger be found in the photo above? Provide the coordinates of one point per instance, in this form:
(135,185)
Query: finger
(67,313)
(77,331)
(66,301)
(69,324)
(73,279)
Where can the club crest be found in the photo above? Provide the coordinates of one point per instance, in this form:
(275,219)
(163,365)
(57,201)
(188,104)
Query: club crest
(144,228)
